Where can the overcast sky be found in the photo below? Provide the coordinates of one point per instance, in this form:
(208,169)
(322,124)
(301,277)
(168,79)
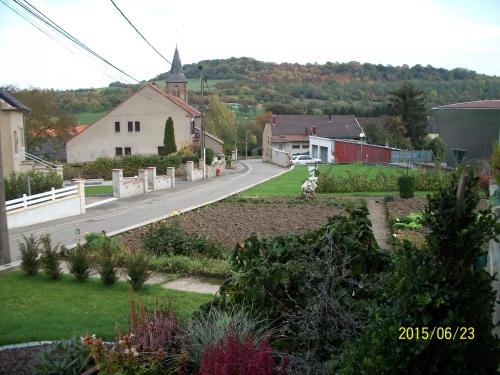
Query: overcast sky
(442,33)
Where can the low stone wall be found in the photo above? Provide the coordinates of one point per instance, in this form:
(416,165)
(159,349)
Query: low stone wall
(193,173)
(145,181)
(281,158)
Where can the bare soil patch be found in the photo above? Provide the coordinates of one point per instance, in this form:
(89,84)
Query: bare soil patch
(19,361)
(232,220)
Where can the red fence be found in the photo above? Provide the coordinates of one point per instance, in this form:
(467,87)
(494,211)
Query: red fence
(351,152)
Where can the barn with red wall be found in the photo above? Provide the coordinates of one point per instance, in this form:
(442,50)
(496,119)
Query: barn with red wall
(345,151)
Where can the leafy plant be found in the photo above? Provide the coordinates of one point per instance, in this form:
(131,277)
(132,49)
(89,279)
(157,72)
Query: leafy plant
(80,262)
(495,163)
(170,239)
(185,265)
(211,328)
(209,156)
(411,222)
(137,266)
(66,357)
(29,255)
(406,185)
(437,286)
(108,255)
(17,183)
(51,257)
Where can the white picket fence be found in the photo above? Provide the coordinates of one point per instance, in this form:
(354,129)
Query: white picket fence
(29,200)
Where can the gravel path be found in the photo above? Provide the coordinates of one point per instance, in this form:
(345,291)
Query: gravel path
(192,284)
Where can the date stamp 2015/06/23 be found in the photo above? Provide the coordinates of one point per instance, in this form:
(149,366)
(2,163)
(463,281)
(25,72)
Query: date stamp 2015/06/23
(436,333)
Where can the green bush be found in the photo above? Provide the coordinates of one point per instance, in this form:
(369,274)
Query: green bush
(51,257)
(279,276)
(424,181)
(194,158)
(437,286)
(66,357)
(137,265)
(170,239)
(102,167)
(406,185)
(209,156)
(17,183)
(80,262)
(192,266)
(29,255)
(107,251)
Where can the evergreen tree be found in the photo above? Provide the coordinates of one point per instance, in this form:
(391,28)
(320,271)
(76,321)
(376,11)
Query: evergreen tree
(169,146)
(410,103)
(435,312)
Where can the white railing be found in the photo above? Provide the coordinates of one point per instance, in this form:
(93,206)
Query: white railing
(51,195)
(40,160)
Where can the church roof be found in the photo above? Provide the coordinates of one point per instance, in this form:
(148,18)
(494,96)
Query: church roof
(176,73)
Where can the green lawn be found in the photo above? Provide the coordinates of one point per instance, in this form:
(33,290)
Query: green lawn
(86,118)
(37,308)
(290,183)
(98,190)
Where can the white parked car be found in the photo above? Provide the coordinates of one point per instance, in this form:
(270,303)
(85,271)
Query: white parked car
(304,159)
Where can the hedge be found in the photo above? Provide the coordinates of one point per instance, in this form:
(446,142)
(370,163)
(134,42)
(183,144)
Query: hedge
(17,183)
(424,181)
(101,167)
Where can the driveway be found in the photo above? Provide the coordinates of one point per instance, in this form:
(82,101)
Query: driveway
(123,214)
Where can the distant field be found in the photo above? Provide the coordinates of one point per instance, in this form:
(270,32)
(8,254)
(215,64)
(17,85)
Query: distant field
(194,84)
(86,118)
(289,184)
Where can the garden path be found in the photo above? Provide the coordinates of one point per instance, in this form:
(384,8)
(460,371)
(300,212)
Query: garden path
(192,284)
(378,219)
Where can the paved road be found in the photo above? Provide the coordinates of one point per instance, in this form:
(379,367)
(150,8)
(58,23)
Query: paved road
(120,214)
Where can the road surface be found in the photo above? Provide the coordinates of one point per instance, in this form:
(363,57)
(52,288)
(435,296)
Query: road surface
(116,216)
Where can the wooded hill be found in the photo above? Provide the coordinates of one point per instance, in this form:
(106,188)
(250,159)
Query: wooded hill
(337,87)
(311,88)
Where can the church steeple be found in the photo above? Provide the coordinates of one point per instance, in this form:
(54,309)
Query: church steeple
(176,80)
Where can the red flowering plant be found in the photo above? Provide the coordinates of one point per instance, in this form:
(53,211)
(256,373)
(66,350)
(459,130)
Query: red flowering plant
(155,335)
(231,356)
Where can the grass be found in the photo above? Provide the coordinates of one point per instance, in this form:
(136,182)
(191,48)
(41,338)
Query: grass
(88,117)
(289,184)
(36,308)
(98,190)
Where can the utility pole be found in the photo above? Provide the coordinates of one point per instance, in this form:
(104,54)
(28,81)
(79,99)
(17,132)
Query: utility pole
(202,130)
(4,232)
(235,136)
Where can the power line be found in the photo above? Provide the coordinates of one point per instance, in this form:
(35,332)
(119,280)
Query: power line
(38,14)
(138,32)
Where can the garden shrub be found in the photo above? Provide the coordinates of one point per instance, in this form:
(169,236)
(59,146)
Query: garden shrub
(232,356)
(209,156)
(17,183)
(29,255)
(437,286)
(137,266)
(107,255)
(66,357)
(51,257)
(412,222)
(282,277)
(80,262)
(424,181)
(192,266)
(495,163)
(102,167)
(194,158)
(205,330)
(406,185)
(170,239)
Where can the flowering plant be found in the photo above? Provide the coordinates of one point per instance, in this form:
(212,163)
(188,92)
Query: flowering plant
(309,187)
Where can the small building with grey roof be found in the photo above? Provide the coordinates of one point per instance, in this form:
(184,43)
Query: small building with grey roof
(469,130)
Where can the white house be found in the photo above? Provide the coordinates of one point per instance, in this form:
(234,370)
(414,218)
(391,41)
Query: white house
(137,125)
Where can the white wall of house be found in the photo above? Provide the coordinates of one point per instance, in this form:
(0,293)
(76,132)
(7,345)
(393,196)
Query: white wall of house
(13,142)
(317,146)
(292,147)
(151,109)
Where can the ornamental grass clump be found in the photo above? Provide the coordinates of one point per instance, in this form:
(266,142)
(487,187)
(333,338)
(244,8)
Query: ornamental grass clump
(66,357)
(51,257)
(30,250)
(80,262)
(137,266)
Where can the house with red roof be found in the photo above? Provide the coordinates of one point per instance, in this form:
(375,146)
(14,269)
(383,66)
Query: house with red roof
(136,126)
